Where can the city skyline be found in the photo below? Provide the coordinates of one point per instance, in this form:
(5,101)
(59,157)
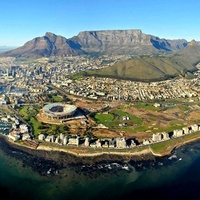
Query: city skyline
(21,21)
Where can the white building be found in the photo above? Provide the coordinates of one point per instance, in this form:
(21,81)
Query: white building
(26,136)
(23,128)
(165,136)
(57,140)
(49,138)
(146,142)
(156,137)
(14,136)
(185,130)
(194,127)
(177,133)
(87,141)
(73,141)
(120,143)
(65,140)
(41,137)
(3,100)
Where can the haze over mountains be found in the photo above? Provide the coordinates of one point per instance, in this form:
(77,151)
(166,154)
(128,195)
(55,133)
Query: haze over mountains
(132,42)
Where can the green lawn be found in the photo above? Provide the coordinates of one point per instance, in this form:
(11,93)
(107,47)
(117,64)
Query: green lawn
(104,118)
(57,98)
(146,106)
(28,111)
(36,126)
(29,114)
(172,126)
(115,117)
(167,146)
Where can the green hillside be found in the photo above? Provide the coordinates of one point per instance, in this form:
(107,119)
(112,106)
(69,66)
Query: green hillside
(148,68)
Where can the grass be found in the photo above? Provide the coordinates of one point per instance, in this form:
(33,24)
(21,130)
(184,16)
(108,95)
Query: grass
(115,117)
(36,126)
(172,126)
(140,129)
(57,98)
(164,148)
(28,113)
(105,119)
(148,68)
(146,106)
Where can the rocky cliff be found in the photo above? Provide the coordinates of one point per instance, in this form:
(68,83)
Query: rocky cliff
(125,42)
(132,42)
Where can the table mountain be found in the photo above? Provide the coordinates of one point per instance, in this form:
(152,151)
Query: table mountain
(132,42)
(125,42)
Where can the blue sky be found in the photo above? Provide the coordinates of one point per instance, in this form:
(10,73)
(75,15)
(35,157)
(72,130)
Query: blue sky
(24,20)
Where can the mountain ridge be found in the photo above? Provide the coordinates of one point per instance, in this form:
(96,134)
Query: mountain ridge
(112,42)
(154,68)
(45,46)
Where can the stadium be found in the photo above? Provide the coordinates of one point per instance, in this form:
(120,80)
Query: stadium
(58,111)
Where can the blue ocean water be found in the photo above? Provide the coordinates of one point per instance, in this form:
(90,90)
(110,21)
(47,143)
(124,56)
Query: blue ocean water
(172,177)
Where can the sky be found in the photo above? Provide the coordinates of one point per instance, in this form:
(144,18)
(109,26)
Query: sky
(23,20)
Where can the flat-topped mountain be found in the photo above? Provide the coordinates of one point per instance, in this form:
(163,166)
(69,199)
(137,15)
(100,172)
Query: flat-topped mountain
(132,42)
(125,42)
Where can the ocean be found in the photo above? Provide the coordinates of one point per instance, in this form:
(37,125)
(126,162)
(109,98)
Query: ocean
(24,176)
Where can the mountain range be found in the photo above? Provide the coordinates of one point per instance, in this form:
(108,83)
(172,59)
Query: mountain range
(149,62)
(132,42)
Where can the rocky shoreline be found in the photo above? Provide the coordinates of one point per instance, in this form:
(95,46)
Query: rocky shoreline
(49,161)
(41,160)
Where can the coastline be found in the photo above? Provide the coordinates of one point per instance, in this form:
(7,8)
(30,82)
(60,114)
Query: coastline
(146,151)
(138,153)
(56,153)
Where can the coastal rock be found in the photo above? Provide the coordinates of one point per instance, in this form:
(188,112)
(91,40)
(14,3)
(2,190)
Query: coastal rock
(53,162)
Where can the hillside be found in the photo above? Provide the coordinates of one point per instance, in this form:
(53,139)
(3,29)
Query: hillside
(147,68)
(48,45)
(189,55)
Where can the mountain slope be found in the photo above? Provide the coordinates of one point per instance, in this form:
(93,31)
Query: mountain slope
(147,68)
(125,42)
(48,45)
(189,55)
(110,42)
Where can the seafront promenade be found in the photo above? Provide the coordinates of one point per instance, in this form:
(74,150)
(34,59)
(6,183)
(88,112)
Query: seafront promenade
(158,150)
